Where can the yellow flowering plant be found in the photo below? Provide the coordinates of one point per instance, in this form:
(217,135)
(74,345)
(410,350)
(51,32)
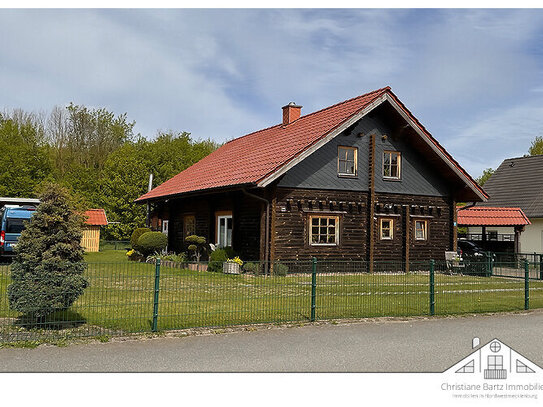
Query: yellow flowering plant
(236,260)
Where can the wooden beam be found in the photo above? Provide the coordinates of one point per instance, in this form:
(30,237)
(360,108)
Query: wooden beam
(454,226)
(272,231)
(407,231)
(262,233)
(371,203)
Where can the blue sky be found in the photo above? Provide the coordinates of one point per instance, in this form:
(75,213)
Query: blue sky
(473,77)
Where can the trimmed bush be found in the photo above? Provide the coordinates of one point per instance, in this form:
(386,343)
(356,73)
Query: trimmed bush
(196,245)
(47,271)
(280,269)
(253,268)
(136,234)
(216,259)
(152,242)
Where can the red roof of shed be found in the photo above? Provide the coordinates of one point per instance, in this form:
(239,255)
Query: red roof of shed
(96,217)
(488,216)
(250,159)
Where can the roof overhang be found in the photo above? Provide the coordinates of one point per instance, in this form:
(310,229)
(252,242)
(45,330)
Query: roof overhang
(409,119)
(18,201)
(491,216)
(199,192)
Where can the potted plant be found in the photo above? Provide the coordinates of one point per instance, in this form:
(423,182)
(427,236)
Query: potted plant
(232,266)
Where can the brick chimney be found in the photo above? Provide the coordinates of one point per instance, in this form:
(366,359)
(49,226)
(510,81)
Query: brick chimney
(291,112)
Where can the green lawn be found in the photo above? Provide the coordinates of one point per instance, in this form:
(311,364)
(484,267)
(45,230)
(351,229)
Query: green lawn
(120,296)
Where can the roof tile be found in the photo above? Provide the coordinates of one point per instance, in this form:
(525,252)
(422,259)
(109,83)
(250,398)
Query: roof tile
(488,216)
(96,217)
(251,158)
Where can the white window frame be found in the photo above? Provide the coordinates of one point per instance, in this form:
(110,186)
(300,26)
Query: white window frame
(399,165)
(336,231)
(391,237)
(165,226)
(220,217)
(355,161)
(424,230)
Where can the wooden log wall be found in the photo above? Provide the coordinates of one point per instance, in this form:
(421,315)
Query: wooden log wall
(294,207)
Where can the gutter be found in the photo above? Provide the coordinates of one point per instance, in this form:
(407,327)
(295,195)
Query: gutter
(467,206)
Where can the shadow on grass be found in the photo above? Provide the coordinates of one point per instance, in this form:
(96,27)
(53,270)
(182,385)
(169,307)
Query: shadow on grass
(55,321)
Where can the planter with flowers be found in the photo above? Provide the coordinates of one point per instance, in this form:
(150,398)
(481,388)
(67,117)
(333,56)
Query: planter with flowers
(232,266)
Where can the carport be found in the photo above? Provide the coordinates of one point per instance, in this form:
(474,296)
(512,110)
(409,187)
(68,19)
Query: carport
(494,229)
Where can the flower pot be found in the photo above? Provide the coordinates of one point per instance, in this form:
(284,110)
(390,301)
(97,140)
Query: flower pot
(231,268)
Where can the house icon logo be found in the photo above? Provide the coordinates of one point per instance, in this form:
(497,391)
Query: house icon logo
(494,361)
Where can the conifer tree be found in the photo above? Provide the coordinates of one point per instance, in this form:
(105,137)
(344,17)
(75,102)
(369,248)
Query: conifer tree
(47,271)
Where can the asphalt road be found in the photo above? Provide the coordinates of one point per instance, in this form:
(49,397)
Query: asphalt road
(415,345)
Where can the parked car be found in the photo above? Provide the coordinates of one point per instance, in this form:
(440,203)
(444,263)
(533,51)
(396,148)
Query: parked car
(468,248)
(12,220)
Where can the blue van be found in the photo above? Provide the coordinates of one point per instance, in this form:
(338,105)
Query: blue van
(12,218)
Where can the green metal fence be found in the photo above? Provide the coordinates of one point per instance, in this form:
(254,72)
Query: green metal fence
(114,245)
(133,297)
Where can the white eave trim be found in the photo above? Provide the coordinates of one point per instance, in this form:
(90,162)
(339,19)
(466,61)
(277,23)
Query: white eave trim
(306,153)
(385,97)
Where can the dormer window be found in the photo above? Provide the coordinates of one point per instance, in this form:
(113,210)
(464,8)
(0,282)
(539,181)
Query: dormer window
(392,164)
(346,161)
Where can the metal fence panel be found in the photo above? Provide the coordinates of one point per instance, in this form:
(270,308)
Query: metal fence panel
(128,297)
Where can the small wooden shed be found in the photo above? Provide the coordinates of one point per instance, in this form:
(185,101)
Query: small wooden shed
(91,231)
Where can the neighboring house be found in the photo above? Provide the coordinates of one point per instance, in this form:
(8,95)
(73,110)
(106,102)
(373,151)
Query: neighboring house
(495,229)
(361,179)
(95,218)
(517,183)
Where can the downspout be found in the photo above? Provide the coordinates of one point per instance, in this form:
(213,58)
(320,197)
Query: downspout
(467,206)
(148,217)
(266,240)
(456,212)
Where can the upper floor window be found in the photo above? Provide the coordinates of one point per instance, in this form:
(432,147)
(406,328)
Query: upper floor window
(392,164)
(324,230)
(346,161)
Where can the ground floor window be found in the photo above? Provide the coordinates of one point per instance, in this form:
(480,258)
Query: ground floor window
(324,230)
(421,230)
(224,229)
(189,225)
(386,229)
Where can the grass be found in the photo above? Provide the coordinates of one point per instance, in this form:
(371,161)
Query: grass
(120,297)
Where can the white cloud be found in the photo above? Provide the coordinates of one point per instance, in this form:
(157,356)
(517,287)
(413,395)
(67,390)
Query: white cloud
(499,134)
(222,73)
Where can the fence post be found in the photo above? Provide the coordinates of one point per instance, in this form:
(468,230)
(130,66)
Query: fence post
(432,286)
(313,289)
(526,284)
(157,290)
(541,266)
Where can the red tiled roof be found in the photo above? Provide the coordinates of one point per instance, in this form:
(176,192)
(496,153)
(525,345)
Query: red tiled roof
(96,217)
(249,159)
(488,216)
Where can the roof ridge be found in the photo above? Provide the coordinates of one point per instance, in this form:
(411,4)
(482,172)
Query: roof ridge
(523,157)
(345,101)
(312,113)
